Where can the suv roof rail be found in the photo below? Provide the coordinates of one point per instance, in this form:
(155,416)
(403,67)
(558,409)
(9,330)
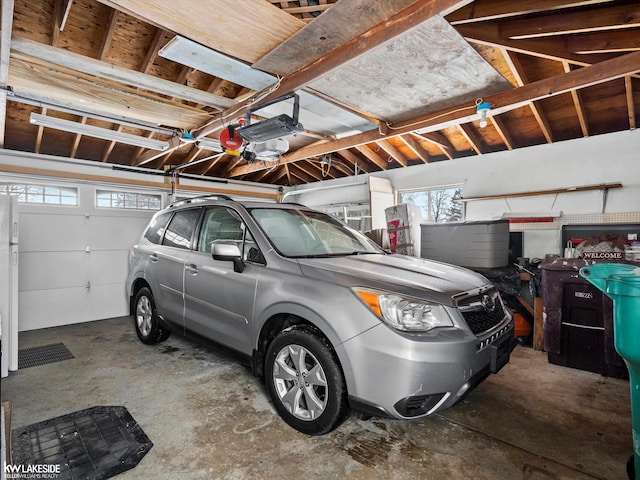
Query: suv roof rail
(199,198)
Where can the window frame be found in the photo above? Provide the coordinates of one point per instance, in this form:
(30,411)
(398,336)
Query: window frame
(428,208)
(113,201)
(244,252)
(23,197)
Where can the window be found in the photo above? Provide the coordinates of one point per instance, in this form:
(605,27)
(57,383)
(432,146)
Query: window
(224,225)
(302,233)
(129,200)
(156,228)
(181,228)
(42,194)
(437,204)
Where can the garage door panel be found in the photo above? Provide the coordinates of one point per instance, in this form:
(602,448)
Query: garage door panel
(65,306)
(53,232)
(106,267)
(101,234)
(47,270)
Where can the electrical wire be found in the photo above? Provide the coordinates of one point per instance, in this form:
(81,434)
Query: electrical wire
(461,109)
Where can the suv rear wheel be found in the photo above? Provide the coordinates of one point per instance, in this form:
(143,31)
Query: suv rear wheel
(146,319)
(305,381)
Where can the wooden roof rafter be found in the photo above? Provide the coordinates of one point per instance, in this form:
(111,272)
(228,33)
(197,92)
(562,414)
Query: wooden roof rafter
(612,69)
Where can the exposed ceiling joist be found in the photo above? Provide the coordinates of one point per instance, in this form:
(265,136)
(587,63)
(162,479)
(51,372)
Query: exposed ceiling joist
(482,10)
(26,50)
(391,150)
(415,147)
(501,102)
(349,48)
(610,18)
(397,24)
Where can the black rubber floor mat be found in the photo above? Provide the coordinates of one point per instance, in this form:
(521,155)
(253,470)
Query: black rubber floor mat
(93,444)
(35,356)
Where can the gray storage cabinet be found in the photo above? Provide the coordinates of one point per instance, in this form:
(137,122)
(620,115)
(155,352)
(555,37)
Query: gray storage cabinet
(468,244)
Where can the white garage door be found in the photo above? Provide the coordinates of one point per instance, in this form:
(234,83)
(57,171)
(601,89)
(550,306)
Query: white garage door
(73,260)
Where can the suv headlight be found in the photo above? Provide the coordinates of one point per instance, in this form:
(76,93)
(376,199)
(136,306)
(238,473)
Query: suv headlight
(404,313)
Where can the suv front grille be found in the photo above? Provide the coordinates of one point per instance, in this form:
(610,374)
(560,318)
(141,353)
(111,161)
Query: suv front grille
(481,314)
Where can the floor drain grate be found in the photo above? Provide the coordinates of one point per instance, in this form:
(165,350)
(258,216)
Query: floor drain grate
(93,444)
(35,356)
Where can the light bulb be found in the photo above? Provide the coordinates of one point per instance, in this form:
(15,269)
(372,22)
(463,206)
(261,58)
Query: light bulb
(483,109)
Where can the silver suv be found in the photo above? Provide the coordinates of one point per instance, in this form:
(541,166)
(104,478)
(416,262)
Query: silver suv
(332,322)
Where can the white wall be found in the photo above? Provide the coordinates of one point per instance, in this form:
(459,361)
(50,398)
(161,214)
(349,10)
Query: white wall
(73,260)
(588,161)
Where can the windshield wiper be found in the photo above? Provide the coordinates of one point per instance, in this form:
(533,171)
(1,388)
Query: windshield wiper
(341,254)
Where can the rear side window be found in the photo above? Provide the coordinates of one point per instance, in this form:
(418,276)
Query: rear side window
(181,227)
(157,227)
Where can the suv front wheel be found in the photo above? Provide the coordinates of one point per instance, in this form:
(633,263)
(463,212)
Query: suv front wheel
(146,319)
(305,381)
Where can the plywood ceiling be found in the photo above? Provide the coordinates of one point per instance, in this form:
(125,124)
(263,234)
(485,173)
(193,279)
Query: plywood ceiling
(386,84)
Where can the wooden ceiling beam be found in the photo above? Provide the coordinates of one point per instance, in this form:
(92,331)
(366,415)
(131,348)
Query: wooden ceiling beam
(631,107)
(153,50)
(373,156)
(579,105)
(521,77)
(216,160)
(76,140)
(341,167)
(472,137)
(482,10)
(396,154)
(310,169)
(502,130)
(551,49)
(592,20)
(109,148)
(56,23)
(288,172)
(439,140)
(356,161)
(395,25)
(610,42)
(501,102)
(296,171)
(26,49)
(108,37)
(415,147)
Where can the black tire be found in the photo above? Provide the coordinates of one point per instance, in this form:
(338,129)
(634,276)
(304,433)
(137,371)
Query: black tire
(145,319)
(320,404)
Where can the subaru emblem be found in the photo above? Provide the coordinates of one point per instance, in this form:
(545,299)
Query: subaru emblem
(488,304)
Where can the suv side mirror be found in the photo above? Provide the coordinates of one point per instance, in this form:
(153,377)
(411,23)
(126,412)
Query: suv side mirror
(228,252)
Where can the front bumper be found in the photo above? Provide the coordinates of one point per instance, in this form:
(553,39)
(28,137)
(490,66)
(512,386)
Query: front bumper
(410,376)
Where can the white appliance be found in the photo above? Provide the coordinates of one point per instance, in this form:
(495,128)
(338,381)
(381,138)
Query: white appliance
(9,283)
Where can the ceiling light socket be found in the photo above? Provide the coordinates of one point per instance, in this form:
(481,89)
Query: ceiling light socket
(483,109)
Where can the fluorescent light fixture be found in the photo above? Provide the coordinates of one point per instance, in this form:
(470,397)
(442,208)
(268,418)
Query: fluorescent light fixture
(209,144)
(186,52)
(97,132)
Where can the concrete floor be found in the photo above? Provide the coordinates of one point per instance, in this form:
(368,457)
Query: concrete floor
(210,419)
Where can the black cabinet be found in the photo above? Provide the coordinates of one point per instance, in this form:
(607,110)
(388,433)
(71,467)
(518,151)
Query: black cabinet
(578,320)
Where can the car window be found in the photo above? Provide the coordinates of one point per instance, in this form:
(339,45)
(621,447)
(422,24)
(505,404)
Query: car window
(181,228)
(221,224)
(156,228)
(302,233)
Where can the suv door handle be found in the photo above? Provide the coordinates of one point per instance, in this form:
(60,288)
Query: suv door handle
(153,257)
(192,269)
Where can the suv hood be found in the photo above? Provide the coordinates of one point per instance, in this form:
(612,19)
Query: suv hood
(403,274)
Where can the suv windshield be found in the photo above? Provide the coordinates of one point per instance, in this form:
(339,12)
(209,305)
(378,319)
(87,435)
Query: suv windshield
(303,233)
